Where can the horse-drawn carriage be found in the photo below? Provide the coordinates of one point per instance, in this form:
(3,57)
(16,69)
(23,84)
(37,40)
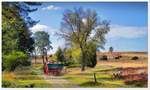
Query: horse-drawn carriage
(53,69)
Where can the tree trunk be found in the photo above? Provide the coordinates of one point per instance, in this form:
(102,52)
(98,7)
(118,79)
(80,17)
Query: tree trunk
(95,80)
(83,59)
(83,68)
(83,62)
(46,57)
(43,56)
(35,58)
(43,59)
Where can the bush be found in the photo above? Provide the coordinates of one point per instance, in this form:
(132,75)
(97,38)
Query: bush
(69,62)
(135,58)
(72,56)
(91,55)
(60,55)
(120,56)
(117,57)
(14,59)
(104,57)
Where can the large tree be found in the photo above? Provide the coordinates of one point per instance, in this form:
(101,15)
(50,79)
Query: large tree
(42,43)
(80,27)
(15,26)
(16,36)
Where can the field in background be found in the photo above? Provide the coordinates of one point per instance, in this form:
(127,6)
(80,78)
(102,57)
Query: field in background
(106,70)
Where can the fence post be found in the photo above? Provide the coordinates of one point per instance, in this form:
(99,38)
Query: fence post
(95,80)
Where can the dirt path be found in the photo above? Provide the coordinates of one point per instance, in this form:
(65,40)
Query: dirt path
(56,81)
(59,82)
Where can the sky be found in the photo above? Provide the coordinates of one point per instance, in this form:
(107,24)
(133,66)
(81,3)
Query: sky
(128,23)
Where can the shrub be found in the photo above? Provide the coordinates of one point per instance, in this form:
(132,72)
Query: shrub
(14,59)
(120,56)
(60,55)
(104,57)
(117,57)
(91,55)
(72,56)
(69,62)
(135,58)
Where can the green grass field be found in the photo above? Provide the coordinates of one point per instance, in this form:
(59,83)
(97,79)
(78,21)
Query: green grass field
(103,75)
(33,76)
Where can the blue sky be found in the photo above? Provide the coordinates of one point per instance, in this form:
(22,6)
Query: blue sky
(128,22)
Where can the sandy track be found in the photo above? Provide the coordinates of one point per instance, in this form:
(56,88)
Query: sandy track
(59,82)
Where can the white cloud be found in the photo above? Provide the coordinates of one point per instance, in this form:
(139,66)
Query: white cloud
(38,27)
(41,27)
(119,31)
(51,7)
(84,20)
(51,31)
